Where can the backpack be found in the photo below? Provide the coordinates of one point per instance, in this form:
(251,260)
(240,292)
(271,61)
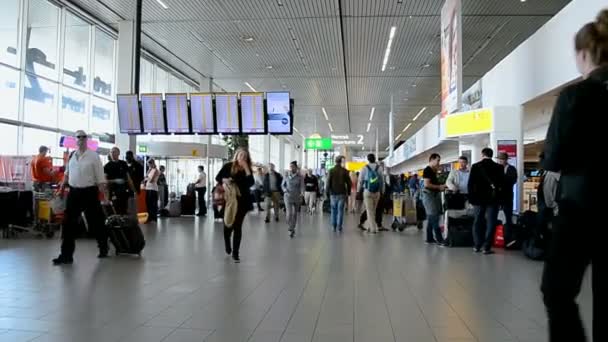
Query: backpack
(372,181)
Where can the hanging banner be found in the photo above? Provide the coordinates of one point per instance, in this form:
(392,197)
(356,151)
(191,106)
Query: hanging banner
(451,57)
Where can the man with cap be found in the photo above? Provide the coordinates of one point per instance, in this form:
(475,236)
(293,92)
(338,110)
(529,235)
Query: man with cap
(85,177)
(506,200)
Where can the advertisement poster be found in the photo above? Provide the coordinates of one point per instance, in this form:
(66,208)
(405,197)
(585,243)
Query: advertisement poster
(471,99)
(279,112)
(510,147)
(451,57)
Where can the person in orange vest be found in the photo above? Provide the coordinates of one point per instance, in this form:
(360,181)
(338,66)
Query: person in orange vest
(42,170)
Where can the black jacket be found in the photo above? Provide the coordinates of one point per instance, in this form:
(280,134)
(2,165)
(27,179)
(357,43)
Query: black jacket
(241,179)
(338,181)
(510,179)
(484,174)
(575,134)
(279,179)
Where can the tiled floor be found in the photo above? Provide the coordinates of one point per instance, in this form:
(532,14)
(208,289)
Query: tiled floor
(319,286)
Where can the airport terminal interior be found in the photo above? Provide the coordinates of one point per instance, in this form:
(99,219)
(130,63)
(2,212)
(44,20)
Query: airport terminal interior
(144,130)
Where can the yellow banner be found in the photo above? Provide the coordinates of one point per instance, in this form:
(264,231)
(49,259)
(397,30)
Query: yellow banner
(473,122)
(355,166)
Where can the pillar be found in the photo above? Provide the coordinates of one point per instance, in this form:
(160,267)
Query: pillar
(125,82)
(282,163)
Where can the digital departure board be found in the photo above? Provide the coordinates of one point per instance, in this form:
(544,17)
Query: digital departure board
(128,113)
(227,113)
(152,113)
(252,113)
(177,113)
(201,112)
(278,111)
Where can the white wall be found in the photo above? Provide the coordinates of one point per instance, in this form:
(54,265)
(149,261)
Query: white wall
(537,115)
(543,62)
(448,151)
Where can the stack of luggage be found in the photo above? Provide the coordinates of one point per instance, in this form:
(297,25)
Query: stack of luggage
(188,201)
(459,221)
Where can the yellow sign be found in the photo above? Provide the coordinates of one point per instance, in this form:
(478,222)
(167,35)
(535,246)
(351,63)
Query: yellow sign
(195,153)
(467,123)
(355,166)
(397,208)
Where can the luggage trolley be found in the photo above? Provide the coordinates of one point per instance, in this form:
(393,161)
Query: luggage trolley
(48,215)
(404,211)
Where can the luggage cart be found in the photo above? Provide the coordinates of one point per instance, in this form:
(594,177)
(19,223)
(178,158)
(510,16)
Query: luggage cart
(48,215)
(399,211)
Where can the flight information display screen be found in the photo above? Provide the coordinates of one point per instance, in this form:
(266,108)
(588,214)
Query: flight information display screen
(227,113)
(201,110)
(152,113)
(278,109)
(177,113)
(128,113)
(252,113)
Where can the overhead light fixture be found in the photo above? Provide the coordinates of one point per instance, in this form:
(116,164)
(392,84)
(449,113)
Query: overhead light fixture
(279,2)
(331,129)
(387,53)
(247,39)
(371,115)
(162,4)
(414,85)
(250,87)
(269,67)
(407,127)
(369,126)
(324,113)
(399,1)
(426,65)
(295,129)
(398,137)
(419,113)
(284,86)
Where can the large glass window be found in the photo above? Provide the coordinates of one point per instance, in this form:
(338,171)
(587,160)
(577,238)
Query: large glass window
(76,52)
(287,158)
(275,152)
(40,103)
(146,76)
(104,64)
(9,140)
(9,93)
(9,22)
(74,109)
(41,40)
(102,116)
(162,80)
(34,138)
(256,148)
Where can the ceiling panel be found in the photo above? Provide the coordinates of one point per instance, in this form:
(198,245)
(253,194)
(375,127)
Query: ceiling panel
(298,45)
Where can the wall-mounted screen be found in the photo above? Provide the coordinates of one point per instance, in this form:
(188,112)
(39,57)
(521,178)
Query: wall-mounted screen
(128,114)
(201,111)
(227,113)
(152,113)
(177,113)
(278,111)
(253,119)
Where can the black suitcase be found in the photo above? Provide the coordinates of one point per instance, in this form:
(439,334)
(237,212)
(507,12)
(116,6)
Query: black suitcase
(188,204)
(455,201)
(125,234)
(460,231)
(327,206)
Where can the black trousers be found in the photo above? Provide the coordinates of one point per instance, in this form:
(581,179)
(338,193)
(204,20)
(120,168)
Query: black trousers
(120,198)
(237,227)
(152,205)
(577,241)
(202,205)
(83,200)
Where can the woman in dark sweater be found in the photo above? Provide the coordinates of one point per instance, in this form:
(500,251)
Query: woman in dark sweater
(238,171)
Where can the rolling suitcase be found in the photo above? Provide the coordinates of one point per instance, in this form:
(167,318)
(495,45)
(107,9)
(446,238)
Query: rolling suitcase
(188,204)
(460,231)
(125,234)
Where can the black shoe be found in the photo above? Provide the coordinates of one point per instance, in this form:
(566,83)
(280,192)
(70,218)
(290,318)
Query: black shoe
(292,233)
(260,209)
(63,261)
(477,250)
(102,254)
(266,220)
(276,219)
(488,252)
(228,250)
(360,226)
(382,229)
(430,242)
(236,258)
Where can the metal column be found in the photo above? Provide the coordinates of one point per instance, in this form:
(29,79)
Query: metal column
(391,128)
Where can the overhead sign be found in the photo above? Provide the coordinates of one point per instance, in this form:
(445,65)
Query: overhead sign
(468,123)
(142,148)
(451,57)
(347,139)
(318,143)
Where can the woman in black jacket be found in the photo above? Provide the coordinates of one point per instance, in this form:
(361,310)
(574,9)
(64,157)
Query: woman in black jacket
(571,147)
(238,171)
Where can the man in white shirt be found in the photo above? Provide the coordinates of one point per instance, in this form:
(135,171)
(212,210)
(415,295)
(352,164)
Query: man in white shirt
(85,177)
(458,179)
(201,190)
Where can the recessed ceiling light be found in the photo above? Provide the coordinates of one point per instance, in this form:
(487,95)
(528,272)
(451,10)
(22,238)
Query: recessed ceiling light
(414,85)
(387,52)
(369,125)
(250,87)
(247,39)
(371,114)
(269,67)
(324,113)
(406,99)
(399,1)
(392,68)
(426,65)
(407,127)
(331,128)
(419,113)
(398,137)
(284,86)
(162,4)
(279,2)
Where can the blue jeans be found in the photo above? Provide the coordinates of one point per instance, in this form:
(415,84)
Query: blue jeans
(337,210)
(484,236)
(433,227)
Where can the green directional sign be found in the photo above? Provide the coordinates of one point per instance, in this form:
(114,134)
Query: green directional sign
(318,144)
(142,148)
